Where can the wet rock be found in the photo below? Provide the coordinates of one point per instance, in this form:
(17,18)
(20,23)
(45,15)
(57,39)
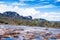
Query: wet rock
(45,39)
(57,36)
(6,36)
(2,32)
(46,29)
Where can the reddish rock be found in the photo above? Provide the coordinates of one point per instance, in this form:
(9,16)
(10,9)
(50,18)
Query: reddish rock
(57,36)
(45,39)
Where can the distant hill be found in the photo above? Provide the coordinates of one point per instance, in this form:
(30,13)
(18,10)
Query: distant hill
(11,14)
(10,17)
(54,21)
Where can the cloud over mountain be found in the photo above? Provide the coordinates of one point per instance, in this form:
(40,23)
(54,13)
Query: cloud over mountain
(30,8)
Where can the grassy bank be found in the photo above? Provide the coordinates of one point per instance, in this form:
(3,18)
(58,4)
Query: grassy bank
(34,22)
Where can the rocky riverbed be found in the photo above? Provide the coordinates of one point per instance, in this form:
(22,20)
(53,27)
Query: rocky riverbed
(12,32)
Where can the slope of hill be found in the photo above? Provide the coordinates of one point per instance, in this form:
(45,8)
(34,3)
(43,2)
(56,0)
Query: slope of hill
(11,14)
(14,18)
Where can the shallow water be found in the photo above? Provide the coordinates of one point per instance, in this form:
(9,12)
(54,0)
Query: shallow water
(28,28)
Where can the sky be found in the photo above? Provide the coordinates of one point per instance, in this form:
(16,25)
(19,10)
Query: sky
(47,9)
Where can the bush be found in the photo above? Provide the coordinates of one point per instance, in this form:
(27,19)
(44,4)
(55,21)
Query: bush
(1,21)
(6,23)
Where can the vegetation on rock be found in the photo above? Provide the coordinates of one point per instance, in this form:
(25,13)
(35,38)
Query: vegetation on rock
(17,19)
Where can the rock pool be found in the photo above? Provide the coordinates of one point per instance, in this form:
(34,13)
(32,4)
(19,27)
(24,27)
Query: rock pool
(28,33)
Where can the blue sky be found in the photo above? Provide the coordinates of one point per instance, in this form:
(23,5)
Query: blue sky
(47,9)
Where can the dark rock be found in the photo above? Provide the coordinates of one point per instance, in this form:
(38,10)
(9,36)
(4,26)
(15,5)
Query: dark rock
(11,14)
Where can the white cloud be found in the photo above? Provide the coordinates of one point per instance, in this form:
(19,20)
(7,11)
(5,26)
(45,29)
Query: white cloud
(27,0)
(46,6)
(51,16)
(23,4)
(58,0)
(4,7)
(18,4)
(22,11)
(30,12)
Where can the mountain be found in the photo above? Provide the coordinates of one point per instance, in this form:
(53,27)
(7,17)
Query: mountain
(11,14)
(41,19)
(14,18)
(15,15)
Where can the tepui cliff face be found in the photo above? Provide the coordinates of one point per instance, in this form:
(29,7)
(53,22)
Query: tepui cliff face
(11,14)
